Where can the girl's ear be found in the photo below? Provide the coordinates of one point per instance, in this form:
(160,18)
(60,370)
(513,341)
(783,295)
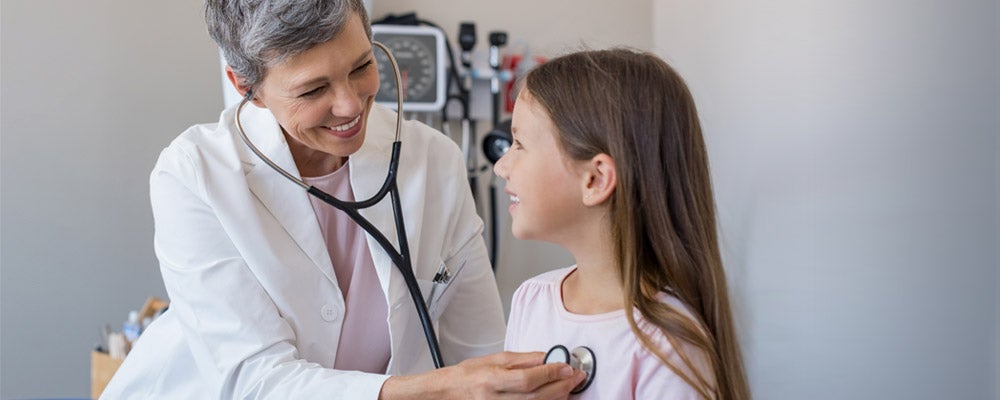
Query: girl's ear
(242,89)
(599,180)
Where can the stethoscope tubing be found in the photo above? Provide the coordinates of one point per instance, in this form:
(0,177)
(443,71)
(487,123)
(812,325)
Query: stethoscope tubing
(401,259)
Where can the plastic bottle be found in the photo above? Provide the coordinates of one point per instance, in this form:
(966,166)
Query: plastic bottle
(131,328)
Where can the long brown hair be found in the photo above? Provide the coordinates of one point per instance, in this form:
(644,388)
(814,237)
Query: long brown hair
(634,107)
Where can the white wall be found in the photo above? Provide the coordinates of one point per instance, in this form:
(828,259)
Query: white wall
(91,92)
(854,149)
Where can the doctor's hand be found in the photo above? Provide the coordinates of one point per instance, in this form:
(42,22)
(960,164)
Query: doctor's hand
(504,375)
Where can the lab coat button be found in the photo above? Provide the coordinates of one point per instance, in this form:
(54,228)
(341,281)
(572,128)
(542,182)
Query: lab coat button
(329,313)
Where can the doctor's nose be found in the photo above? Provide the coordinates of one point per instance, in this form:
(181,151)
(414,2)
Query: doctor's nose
(346,102)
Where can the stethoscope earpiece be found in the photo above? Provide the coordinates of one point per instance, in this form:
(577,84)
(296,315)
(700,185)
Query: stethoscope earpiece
(581,358)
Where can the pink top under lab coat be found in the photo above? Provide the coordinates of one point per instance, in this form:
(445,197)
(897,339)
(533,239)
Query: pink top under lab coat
(364,341)
(624,368)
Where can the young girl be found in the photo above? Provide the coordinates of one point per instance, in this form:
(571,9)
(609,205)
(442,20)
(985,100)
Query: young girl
(609,162)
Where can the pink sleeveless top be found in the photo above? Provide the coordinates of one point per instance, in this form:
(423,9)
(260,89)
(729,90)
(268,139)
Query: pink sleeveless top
(364,340)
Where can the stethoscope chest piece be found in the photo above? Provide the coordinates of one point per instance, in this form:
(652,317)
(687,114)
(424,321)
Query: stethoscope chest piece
(581,358)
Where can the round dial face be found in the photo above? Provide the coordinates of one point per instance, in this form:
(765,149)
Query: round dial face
(418,73)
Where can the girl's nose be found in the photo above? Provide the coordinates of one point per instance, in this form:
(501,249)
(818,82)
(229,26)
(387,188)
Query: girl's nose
(500,168)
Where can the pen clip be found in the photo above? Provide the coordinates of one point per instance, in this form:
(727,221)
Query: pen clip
(442,279)
(442,274)
(447,283)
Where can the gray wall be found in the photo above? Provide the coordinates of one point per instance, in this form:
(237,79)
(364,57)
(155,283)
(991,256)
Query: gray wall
(854,147)
(92,91)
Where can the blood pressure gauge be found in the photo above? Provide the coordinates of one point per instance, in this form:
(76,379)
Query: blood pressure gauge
(420,54)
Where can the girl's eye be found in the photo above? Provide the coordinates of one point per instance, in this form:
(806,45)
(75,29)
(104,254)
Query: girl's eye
(516,144)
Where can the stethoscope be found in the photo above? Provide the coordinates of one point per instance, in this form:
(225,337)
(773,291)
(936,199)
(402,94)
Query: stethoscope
(581,358)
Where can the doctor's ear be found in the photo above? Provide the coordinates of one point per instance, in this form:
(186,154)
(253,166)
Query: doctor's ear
(599,180)
(237,82)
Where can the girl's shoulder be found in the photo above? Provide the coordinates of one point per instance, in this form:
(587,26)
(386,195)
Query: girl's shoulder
(541,287)
(699,365)
(554,277)
(545,282)
(678,306)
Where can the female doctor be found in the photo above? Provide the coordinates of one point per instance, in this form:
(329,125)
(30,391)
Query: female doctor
(275,294)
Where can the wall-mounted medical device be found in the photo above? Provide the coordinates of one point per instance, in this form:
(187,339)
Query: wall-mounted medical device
(420,52)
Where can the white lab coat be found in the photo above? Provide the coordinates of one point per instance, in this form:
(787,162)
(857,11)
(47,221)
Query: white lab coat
(255,308)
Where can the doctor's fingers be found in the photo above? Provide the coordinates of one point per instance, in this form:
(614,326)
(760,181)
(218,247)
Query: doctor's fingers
(513,360)
(549,381)
(555,390)
(505,360)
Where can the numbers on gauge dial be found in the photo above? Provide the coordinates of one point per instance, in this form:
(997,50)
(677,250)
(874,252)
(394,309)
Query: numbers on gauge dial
(416,68)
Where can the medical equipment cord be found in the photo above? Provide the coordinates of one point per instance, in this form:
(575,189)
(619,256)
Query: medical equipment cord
(401,259)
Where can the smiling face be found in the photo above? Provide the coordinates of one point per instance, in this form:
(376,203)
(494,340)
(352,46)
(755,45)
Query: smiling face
(321,98)
(544,184)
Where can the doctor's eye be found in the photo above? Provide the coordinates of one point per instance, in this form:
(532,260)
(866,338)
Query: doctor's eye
(363,67)
(516,145)
(313,92)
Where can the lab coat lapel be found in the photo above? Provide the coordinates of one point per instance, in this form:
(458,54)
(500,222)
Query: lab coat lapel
(369,166)
(286,201)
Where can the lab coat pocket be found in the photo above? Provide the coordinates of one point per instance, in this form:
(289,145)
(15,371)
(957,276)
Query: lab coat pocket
(438,292)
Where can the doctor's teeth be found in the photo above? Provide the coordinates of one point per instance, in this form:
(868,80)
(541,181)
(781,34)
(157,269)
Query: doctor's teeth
(349,125)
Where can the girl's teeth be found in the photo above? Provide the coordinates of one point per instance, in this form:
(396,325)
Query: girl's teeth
(515,199)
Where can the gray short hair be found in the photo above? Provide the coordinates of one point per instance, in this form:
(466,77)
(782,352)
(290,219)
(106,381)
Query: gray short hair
(256,34)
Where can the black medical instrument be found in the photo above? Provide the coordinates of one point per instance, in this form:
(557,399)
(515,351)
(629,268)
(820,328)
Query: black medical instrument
(497,142)
(581,358)
(467,41)
(497,40)
(495,145)
(401,259)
